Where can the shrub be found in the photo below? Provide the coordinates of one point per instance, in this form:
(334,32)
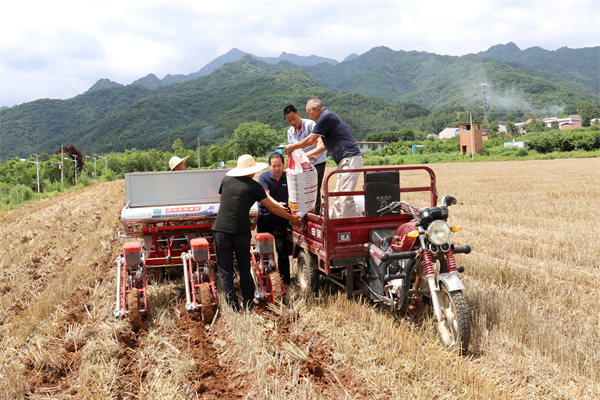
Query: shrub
(20,193)
(83,181)
(50,187)
(108,176)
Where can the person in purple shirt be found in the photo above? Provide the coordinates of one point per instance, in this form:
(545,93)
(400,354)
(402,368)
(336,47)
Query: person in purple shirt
(342,147)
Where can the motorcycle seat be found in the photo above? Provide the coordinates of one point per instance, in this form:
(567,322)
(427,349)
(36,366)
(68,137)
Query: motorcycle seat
(382,237)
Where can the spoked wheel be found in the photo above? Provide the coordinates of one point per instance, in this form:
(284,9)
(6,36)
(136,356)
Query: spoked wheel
(455,329)
(274,287)
(133,306)
(206,301)
(308,274)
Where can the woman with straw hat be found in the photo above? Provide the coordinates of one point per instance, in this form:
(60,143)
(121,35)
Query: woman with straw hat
(232,233)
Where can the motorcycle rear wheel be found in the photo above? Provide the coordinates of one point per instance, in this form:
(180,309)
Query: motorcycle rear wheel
(308,274)
(455,329)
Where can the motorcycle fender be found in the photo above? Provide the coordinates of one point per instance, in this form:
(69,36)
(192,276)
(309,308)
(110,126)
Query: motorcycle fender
(451,281)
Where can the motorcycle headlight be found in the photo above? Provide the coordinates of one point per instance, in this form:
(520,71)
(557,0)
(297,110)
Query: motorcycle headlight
(438,232)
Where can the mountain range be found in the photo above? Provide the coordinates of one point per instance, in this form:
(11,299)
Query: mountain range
(379,90)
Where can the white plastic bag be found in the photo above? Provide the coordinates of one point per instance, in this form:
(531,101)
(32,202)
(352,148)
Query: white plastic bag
(302,183)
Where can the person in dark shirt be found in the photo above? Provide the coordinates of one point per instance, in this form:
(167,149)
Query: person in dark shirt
(298,130)
(342,147)
(274,182)
(232,234)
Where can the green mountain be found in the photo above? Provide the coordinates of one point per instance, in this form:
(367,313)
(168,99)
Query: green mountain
(377,91)
(577,65)
(151,81)
(209,108)
(437,82)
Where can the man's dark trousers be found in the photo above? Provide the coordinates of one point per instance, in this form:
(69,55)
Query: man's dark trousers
(226,245)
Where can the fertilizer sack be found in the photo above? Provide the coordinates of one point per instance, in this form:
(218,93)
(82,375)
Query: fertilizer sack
(302,183)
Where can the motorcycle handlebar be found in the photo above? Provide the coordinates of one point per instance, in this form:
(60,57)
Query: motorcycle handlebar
(466,249)
(399,256)
(414,253)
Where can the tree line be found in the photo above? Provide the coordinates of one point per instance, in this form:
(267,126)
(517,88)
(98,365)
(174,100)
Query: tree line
(19,177)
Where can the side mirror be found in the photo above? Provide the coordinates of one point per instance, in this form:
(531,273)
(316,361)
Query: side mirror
(449,201)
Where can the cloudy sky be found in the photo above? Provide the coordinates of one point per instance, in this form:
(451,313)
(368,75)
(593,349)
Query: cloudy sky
(58,49)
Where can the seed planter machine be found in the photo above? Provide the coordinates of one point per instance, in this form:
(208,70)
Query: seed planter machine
(168,216)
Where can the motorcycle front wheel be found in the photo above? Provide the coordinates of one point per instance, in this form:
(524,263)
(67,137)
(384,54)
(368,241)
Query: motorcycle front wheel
(455,329)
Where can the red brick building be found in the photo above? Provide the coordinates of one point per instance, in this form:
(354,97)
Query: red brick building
(469,137)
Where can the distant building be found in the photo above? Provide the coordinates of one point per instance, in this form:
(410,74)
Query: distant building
(517,144)
(502,128)
(448,133)
(570,122)
(366,147)
(471,140)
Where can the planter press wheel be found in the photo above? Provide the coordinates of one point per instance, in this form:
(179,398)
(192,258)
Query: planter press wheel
(133,305)
(308,274)
(274,287)
(206,301)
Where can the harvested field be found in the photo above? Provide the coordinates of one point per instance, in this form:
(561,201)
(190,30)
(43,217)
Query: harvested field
(531,283)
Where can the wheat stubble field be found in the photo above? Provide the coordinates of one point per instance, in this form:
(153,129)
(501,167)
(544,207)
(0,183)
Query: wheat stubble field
(531,281)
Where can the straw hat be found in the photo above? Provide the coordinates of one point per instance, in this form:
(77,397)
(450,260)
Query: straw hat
(175,161)
(247,166)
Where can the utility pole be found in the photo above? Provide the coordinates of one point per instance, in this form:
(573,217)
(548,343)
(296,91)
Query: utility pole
(94,158)
(37,168)
(485,120)
(105,163)
(472,138)
(62,167)
(75,162)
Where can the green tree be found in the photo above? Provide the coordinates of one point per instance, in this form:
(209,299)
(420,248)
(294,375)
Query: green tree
(254,138)
(535,126)
(204,156)
(586,111)
(178,146)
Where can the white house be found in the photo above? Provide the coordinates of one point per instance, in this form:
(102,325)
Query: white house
(448,133)
(366,147)
(517,144)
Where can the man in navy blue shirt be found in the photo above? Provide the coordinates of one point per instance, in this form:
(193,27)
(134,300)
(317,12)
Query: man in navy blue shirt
(274,182)
(299,129)
(342,147)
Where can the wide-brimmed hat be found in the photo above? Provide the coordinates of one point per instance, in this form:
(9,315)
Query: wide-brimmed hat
(247,166)
(175,161)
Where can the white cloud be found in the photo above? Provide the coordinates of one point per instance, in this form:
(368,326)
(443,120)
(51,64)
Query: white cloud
(58,49)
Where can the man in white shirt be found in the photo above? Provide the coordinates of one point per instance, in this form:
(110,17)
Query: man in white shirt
(300,128)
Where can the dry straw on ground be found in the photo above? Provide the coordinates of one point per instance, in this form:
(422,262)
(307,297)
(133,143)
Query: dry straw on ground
(531,283)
